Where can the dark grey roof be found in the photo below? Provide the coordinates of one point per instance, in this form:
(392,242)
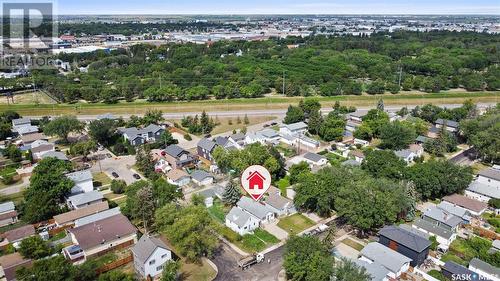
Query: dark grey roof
(485,267)
(414,231)
(404,153)
(200,175)
(222,141)
(449,123)
(455,268)
(206,144)
(174,150)
(238,136)
(443,216)
(134,132)
(146,246)
(405,238)
(433,228)
(277,201)
(313,156)
(389,258)
(490,173)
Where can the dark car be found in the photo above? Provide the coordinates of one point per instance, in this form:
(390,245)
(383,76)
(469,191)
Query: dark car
(266,125)
(274,124)
(114,174)
(136,176)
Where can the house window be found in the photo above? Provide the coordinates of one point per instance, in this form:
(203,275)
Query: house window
(151,262)
(158,268)
(164,256)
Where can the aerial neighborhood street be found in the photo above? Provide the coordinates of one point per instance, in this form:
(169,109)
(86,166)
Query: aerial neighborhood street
(246,147)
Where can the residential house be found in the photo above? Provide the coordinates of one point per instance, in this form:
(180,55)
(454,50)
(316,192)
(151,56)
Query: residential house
(55,154)
(103,236)
(20,122)
(443,218)
(8,213)
(421,139)
(224,142)
(16,235)
(238,140)
(486,186)
(405,154)
(393,261)
(40,149)
(97,216)
(495,246)
(361,142)
(417,149)
(205,148)
(10,263)
(279,205)
(150,256)
(444,236)
(27,140)
(358,155)
(137,136)
(485,269)
(315,159)
(352,126)
(356,116)
(22,126)
(256,209)
(201,177)
(433,132)
(308,142)
(450,125)
(294,128)
(376,271)
(406,243)
(178,177)
(474,207)
(455,210)
(241,222)
(162,166)
(70,217)
(452,269)
(209,196)
(85,199)
(83,181)
(266,136)
(178,157)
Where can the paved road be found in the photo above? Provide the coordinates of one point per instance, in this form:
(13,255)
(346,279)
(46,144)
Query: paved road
(263,112)
(226,260)
(121,165)
(16,188)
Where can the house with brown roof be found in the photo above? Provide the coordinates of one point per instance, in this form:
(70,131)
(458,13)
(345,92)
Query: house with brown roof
(105,235)
(29,139)
(8,214)
(10,263)
(70,217)
(358,155)
(16,235)
(178,177)
(475,207)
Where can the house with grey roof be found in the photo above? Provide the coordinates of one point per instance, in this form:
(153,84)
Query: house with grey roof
(485,269)
(55,154)
(444,236)
(406,243)
(443,218)
(178,157)
(241,221)
(450,125)
(421,139)
(205,148)
(452,269)
(137,136)
(201,177)
(238,140)
(208,196)
(266,136)
(486,186)
(377,271)
(393,261)
(20,122)
(256,209)
(8,213)
(315,159)
(83,181)
(84,199)
(150,256)
(280,205)
(294,128)
(22,126)
(406,154)
(97,216)
(458,211)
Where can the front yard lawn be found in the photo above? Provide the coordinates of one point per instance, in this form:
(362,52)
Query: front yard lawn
(353,244)
(250,243)
(101,179)
(266,236)
(463,250)
(295,223)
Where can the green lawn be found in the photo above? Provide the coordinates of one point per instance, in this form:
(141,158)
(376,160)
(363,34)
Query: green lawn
(463,250)
(101,179)
(283,184)
(12,226)
(15,197)
(250,243)
(58,236)
(353,244)
(218,211)
(287,150)
(295,223)
(266,236)
(334,159)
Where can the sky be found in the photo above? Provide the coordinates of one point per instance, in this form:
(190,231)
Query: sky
(105,7)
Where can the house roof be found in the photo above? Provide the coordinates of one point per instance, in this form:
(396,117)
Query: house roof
(455,268)
(414,231)
(55,154)
(490,173)
(8,215)
(443,216)
(80,176)
(405,238)
(200,175)
(405,153)
(174,150)
(237,136)
(80,213)
(256,209)
(357,153)
(296,126)
(33,137)
(277,201)
(358,114)
(304,138)
(269,133)
(237,216)
(433,228)
(19,233)
(466,202)
(222,141)
(106,230)
(26,129)
(422,139)
(350,162)
(484,189)
(86,197)
(388,258)
(176,174)
(11,262)
(146,246)
(455,210)
(206,144)
(134,132)
(377,271)
(485,267)
(207,193)
(449,123)
(496,244)
(21,121)
(97,217)
(7,207)
(43,147)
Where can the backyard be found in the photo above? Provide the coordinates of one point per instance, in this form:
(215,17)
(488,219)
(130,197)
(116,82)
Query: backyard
(295,223)
(462,251)
(218,211)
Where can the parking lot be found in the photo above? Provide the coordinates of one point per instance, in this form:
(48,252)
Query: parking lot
(121,165)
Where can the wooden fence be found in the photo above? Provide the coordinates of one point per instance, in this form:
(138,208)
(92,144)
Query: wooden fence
(115,264)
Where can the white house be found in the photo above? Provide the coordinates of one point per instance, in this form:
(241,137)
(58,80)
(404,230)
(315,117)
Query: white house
(474,207)
(484,269)
(315,159)
(405,154)
(444,236)
(178,177)
(83,181)
(263,136)
(256,209)
(8,213)
(294,128)
(150,256)
(450,125)
(241,222)
(393,261)
(84,199)
(486,186)
(201,177)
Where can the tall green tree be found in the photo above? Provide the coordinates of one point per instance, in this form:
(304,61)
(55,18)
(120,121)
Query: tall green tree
(314,122)
(347,270)
(103,131)
(232,193)
(144,161)
(306,258)
(294,114)
(63,126)
(396,135)
(384,164)
(34,248)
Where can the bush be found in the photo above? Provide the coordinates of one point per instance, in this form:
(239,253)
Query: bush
(494,203)
(8,179)
(119,148)
(188,137)
(437,274)
(118,186)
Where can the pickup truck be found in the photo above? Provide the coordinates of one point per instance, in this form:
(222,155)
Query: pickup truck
(248,261)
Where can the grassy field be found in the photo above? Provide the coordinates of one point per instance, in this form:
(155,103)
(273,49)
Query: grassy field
(278,102)
(225,125)
(353,244)
(101,179)
(283,184)
(197,272)
(295,223)
(28,97)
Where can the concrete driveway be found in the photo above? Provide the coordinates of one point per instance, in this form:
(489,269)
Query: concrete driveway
(226,260)
(275,230)
(122,165)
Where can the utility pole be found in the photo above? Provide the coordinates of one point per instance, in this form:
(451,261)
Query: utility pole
(400,74)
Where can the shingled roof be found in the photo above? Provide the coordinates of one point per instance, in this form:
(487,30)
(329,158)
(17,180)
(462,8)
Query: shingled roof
(405,238)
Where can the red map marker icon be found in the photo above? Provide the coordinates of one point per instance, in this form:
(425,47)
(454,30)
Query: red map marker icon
(256,180)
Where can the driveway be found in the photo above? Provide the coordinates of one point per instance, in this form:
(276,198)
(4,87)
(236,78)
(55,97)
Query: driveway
(275,230)
(185,143)
(121,165)
(226,260)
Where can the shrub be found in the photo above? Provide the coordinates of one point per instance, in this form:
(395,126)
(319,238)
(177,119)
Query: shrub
(118,186)
(188,137)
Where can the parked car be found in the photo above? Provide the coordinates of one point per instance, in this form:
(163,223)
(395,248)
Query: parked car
(266,125)
(114,174)
(136,176)
(274,124)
